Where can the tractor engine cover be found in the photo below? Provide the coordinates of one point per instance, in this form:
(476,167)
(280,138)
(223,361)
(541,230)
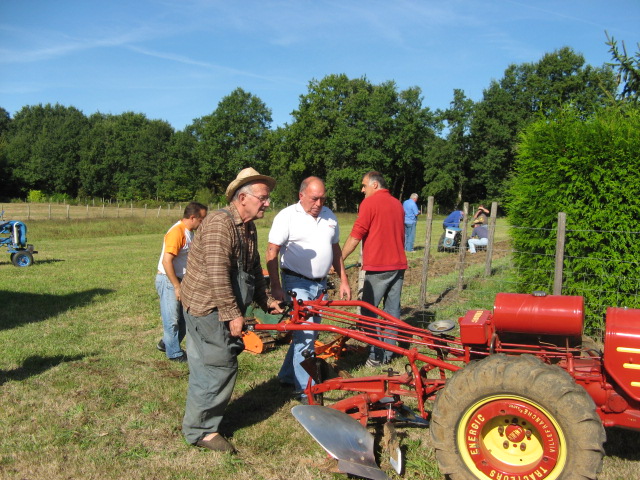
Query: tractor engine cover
(538,314)
(622,348)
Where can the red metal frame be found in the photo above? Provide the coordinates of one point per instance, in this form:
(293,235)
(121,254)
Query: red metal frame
(428,353)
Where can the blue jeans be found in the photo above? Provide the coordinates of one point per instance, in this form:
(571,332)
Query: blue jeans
(409,236)
(172,318)
(477,242)
(213,369)
(385,286)
(291,370)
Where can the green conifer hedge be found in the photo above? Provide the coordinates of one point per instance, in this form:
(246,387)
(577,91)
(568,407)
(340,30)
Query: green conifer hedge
(588,168)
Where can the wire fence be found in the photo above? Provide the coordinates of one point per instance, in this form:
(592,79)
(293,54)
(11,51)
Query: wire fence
(436,280)
(61,211)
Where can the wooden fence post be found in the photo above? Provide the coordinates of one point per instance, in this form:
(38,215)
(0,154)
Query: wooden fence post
(463,247)
(557,278)
(103,210)
(427,252)
(28,212)
(68,206)
(145,210)
(492,232)
(361,275)
(159,208)
(49,211)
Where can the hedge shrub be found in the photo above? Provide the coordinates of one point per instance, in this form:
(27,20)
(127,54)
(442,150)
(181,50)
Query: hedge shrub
(588,168)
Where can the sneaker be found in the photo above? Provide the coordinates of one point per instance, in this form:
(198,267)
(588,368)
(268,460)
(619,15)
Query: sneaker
(161,346)
(372,363)
(181,359)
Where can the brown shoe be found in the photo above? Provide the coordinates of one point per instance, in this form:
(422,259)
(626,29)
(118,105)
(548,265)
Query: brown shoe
(217,444)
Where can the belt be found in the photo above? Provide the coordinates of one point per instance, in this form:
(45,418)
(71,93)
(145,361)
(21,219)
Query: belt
(296,274)
(160,273)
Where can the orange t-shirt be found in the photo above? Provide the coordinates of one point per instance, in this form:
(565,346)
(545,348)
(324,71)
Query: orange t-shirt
(176,242)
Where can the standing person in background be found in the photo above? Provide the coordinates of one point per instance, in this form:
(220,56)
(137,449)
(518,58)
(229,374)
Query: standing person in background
(306,237)
(171,268)
(479,235)
(380,227)
(223,277)
(411,213)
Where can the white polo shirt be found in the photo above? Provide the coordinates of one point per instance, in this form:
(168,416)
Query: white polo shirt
(305,242)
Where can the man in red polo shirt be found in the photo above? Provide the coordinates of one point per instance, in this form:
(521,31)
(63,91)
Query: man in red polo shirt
(380,227)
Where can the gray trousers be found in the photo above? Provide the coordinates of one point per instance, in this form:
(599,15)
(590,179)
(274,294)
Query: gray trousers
(379,286)
(213,367)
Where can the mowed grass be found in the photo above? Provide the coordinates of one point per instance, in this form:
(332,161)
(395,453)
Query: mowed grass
(85,393)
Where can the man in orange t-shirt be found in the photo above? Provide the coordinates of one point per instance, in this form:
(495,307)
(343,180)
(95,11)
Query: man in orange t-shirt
(171,268)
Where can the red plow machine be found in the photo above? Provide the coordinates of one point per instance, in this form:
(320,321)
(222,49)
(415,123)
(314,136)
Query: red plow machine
(518,394)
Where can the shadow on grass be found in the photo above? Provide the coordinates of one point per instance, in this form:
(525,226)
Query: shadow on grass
(254,406)
(48,260)
(19,308)
(35,262)
(35,365)
(623,444)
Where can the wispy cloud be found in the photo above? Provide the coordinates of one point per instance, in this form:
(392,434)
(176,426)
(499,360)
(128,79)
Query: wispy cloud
(207,65)
(48,44)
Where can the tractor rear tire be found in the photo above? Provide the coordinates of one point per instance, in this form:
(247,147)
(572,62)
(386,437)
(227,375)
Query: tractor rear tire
(516,417)
(22,259)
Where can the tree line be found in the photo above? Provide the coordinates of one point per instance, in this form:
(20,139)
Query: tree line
(342,128)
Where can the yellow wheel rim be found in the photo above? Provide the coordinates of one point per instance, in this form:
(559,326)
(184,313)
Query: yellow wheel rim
(509,436)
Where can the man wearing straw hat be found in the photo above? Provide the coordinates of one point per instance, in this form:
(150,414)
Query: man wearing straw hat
(223,277)
(479,234)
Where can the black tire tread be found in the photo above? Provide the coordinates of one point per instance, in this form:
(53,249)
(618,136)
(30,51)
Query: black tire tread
(527,376)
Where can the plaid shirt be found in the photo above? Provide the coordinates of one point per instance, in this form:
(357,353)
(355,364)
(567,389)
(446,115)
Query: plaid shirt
(213,258)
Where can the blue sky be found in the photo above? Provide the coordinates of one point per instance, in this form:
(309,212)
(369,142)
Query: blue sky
(174,60)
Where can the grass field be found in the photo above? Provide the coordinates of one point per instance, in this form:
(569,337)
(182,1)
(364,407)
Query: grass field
(85,394)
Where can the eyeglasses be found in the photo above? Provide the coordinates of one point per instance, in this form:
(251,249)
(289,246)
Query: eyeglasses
(263,199)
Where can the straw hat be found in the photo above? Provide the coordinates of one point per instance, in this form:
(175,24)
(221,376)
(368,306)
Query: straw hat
(245,176)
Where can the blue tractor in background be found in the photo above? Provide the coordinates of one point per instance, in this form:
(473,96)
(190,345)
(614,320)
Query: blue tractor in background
(13,235)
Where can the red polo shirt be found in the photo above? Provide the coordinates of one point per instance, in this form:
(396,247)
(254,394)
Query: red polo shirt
(380,226)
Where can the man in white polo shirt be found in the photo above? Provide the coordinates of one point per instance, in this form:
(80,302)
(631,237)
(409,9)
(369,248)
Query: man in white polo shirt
(306,237)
